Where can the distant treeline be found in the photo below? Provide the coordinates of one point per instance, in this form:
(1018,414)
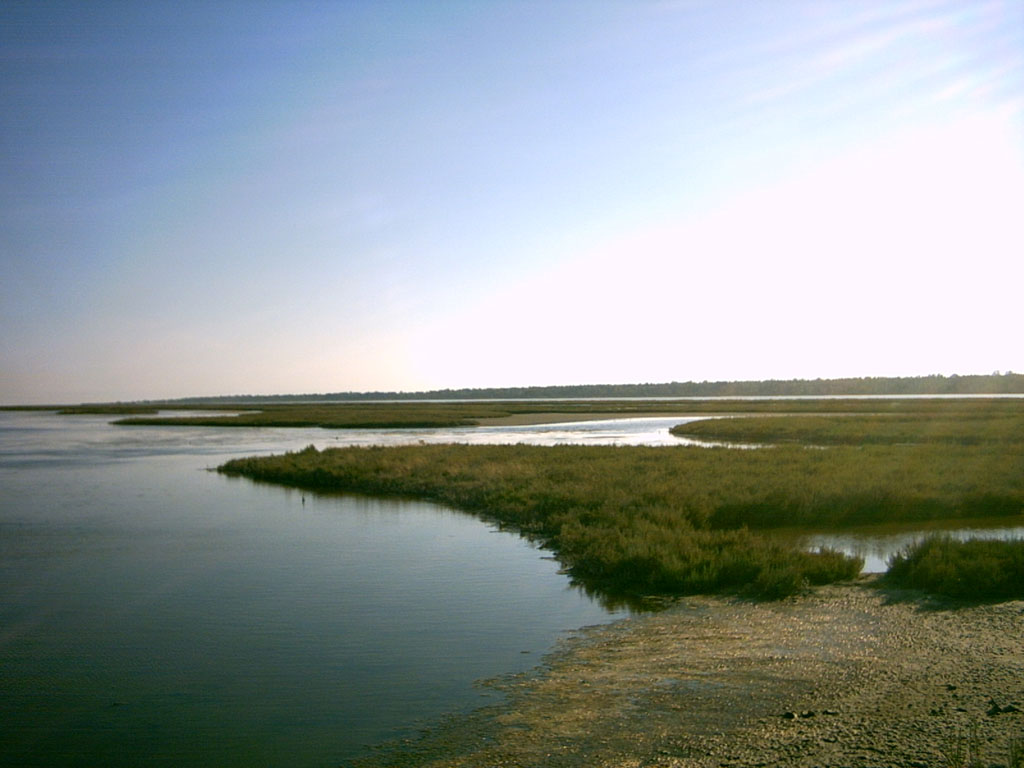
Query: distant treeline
(992,384)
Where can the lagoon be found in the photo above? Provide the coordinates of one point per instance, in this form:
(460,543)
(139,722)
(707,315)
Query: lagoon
(152,611)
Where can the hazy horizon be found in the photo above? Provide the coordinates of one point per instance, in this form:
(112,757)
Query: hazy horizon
(394,196)
(198,397)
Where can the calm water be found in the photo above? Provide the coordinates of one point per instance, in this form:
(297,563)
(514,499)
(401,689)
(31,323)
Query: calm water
(878,543)
(152,612)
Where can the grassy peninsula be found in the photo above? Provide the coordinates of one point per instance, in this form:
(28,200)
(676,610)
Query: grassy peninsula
(624,520)
(687,520)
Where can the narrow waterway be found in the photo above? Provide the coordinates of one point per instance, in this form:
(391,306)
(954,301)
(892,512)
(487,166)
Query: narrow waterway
(878,543)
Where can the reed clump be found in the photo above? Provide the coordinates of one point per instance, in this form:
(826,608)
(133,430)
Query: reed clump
(975,569)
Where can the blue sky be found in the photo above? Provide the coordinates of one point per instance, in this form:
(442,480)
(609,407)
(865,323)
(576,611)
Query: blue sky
(265,197)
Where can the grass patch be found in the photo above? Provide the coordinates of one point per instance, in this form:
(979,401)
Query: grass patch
(674,520)
(975,569)
(643,520)
(981,425)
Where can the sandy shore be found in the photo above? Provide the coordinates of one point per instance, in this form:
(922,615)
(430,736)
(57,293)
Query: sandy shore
(847,676)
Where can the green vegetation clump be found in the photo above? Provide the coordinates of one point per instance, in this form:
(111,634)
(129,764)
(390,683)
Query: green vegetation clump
(975,569)
(982,424)
(672,520)
(678,520)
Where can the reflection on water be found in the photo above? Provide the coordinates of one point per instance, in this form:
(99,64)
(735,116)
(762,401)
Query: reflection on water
(31,438)
(627,431)
(877,544)
(151,611)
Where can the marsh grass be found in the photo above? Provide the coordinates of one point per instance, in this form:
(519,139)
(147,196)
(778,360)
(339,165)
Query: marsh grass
(675,520)
(979,426)
(975,569)
(680,520)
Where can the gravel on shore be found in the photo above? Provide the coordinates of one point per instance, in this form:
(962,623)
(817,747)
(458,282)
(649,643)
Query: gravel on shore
(849,675)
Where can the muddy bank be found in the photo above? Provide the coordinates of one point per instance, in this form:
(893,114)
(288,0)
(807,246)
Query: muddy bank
(848,676)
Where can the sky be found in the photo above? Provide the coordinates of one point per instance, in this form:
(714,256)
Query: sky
(297,197)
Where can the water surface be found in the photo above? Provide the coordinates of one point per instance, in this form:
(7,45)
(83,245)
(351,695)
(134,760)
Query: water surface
(878,543)
(152,611)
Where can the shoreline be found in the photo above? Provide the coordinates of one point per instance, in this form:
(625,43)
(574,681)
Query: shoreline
(849,675)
